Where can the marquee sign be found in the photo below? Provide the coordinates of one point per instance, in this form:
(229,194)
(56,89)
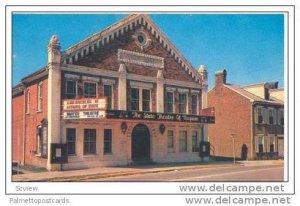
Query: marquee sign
(83,114)
(122,114)
(84,104)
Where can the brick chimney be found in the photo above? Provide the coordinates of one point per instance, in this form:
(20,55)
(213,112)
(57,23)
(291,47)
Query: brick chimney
(220,77)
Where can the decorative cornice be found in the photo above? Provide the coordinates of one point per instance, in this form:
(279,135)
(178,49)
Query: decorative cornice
(125,56)
(141,84)
(108,81)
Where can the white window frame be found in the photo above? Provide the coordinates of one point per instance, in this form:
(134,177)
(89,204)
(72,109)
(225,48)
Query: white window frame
(141,97)
(141,100)
(273,114)
(76,87)
(75,140)
(171,149)
(112,142)
(187,102)
(187,148)
(39,142)
(257,143)
(197,142)
(90,83)
(274,141)
(197,103)
(96,142)
(40,97)
(280,114)
(173,105)
(112,94)
(28,102)
(262,113)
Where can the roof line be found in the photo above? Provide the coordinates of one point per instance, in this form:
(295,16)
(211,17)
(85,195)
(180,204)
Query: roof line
(233,89)
(103,34)
(97,34)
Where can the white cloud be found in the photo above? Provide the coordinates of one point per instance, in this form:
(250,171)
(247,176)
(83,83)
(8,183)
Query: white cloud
(14,56)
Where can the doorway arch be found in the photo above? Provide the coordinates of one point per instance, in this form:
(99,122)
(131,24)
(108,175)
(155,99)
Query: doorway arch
(140,143)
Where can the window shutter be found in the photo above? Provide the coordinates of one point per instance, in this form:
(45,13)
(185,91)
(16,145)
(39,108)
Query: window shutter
(267,141)
(256,144)
(264,143)
(275,116)
(275,143)
(266,115)
(255,115)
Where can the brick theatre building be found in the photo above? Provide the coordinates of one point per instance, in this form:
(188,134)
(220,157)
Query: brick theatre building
(121,96)
(249,120)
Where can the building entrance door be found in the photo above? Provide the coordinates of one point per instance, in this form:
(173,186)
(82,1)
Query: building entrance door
(140,143)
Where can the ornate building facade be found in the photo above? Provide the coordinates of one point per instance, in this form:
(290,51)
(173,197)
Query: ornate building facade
(124,95)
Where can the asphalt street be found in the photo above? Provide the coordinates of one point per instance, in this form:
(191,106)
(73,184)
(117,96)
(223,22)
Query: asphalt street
(237,173)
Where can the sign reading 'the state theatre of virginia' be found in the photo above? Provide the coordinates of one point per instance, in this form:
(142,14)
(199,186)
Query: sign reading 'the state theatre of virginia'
(122,114)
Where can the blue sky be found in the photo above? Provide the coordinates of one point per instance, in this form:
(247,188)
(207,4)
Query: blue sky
(249,46)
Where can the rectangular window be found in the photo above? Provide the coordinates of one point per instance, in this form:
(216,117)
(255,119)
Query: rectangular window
(170,141)
(271,116)
(135,99)
(89,141)
(260,117)
(195,141)
(27,102)
(71,89)
(107,141)
(44,151)
(272,143)
(146,100)
(183,141)
(170,102)
(39,140)
(108,95)
(182,102)
(195,104)
(260,144)
(71,141)
(90,89)
(40,97)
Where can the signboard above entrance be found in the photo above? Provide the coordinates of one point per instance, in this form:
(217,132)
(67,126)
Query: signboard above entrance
(122,114)
(83,114)
(84,104)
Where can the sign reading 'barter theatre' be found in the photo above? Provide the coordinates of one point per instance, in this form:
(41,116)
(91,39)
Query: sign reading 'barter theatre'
(121,96)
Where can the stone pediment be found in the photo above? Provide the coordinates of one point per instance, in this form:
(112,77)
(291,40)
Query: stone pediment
(124,41)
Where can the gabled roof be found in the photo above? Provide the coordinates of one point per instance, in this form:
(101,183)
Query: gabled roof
(271,84)
(251,96)
(17,90)
(108,34)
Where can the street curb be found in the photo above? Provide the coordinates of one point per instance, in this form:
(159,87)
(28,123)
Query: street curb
(119,174)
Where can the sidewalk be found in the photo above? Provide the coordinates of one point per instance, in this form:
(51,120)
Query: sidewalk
(103,172)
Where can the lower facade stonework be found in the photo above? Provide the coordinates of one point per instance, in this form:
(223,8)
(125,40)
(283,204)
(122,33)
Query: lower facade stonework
(116,143)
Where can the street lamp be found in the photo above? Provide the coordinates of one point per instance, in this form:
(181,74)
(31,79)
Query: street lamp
(233,147)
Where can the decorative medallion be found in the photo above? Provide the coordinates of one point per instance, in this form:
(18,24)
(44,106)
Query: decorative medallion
(162,128)
(123,127)
(141,38)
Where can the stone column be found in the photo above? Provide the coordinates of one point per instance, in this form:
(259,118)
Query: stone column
(54,97)
(122,88)
(160,91)
(203,74)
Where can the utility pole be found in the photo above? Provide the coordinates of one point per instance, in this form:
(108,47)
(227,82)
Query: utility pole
(233,147)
